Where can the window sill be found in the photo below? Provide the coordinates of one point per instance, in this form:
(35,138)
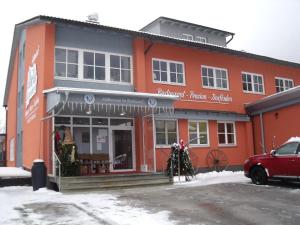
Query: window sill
(163,146)
(213,88)
(199,146)
(227,145)
(92,81)
(254,93)
(167,83)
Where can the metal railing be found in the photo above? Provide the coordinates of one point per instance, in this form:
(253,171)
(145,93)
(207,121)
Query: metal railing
(57,165)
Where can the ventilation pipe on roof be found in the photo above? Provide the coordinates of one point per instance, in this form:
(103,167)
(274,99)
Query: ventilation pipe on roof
(93,18)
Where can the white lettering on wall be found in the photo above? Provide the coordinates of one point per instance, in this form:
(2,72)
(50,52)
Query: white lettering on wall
(198,97)
(31,89)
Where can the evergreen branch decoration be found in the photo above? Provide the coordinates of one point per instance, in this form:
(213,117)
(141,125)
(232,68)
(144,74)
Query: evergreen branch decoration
(186,168)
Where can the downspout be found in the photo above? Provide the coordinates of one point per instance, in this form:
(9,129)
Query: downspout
(262,133)
(154,141)
(6,140)
(227,42)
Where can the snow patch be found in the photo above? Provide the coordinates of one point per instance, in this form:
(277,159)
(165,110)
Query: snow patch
(294,139)
(13,172)
(42,206)
(214,177)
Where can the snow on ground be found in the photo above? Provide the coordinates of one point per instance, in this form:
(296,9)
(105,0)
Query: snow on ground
(203,179)
(20,205)
(13,172)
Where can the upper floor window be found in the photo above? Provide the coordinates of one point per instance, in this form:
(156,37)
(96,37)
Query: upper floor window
(201,39)
(198,132)
(93,66)
(216,78)
(66,63)
(168,71)
(283,84)
(253,83)
(188,37)
(120,69)
(226,133)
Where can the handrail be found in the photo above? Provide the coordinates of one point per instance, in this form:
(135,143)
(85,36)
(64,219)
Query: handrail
(59,170)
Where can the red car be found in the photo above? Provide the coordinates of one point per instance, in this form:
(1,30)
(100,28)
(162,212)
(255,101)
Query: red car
(282,163)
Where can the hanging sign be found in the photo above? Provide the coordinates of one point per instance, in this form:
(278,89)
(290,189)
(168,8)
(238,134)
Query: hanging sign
(152,102)
(89,99)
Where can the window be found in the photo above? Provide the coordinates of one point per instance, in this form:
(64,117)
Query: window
(214,78)
(288,149)
(166,132)
(198,132)
(201,39)
(226,133)
(66,63)
(12,149)
(283,84)
(188,37)
(253,83)
(120,70)
(93,66)
(168,71)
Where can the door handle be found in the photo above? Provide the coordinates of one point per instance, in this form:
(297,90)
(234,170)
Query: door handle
(292,160)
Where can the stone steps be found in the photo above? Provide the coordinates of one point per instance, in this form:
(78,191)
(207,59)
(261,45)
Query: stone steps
(112,181)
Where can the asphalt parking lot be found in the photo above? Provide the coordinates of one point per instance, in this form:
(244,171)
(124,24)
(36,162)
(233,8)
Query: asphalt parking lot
(232,203)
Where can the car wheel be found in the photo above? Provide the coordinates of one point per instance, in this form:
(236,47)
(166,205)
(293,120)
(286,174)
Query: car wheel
(259,176)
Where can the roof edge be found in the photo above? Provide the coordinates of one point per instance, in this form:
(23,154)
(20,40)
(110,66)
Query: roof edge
(189,23)
(261,106)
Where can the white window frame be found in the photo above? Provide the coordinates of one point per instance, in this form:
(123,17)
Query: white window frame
(284,86)
(198,133)
(94,65)
(226,133)
(201,39)
(67,63)
(169,72)
(71,125)
(215,78)
(107,67)
(166,134)
(188,37)
(252,83)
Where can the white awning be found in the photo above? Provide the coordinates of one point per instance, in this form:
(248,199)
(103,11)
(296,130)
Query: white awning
(105,102)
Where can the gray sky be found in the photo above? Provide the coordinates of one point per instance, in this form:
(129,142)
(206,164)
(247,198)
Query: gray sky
(265,27)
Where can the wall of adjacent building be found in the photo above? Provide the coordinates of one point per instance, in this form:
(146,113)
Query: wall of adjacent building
(11,126)
(37,132)
(279,126)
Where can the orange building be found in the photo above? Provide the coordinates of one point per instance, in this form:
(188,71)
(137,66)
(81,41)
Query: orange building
(126,96)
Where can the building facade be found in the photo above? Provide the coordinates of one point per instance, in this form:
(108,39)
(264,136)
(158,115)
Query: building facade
(126,96)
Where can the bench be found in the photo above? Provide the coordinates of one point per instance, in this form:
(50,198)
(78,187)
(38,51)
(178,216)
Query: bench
(93,163)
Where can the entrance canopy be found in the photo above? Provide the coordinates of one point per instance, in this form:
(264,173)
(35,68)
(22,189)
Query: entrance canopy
(78,101)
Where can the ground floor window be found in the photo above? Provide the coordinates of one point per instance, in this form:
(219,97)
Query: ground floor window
(89,133)
(226,133)
(166,132)
(198,133)
(106,139)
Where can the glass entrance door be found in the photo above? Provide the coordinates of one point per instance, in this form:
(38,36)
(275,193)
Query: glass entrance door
(122,149)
